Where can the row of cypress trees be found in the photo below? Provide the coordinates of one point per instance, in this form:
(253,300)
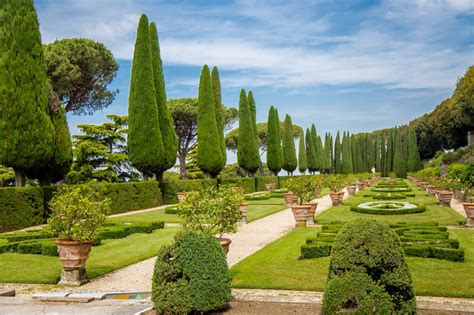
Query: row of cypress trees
(152,141)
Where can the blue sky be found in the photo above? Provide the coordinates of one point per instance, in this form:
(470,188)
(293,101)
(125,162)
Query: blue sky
(343,65)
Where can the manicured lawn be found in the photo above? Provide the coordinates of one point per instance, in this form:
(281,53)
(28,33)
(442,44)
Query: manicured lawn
(259,211)
(151,216)
(111,255)
(271,201)
(276,266)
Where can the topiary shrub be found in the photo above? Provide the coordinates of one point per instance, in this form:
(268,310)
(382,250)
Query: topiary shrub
(20,207)
(368,247)
(191,275)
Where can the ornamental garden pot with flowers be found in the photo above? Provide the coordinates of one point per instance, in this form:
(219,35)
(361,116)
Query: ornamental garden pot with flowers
(469,207)
(290,199)
(444,193)
(335,184)
(303,189)
(215,211)
(76,213)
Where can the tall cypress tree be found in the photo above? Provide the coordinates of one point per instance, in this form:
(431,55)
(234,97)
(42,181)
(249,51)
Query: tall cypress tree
(209,155)
(390,151)
(337,155)
(353,148)
(253,113)
(377,157)
(168,135)
(274,155)
(322,155)
(327,150)
(314,138)
(247,147)
(383,155)
(399,159)
(331,154)
(414,161)
(347,167)
(288,145)
(219,110)
(310,152)
(302,161)
(26,131)
(144,133)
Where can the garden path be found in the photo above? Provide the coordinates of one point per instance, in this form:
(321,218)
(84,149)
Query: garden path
(250,238)
(457,206)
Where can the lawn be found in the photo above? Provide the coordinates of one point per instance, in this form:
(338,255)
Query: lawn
(276,266)
(257,211)
(150,216)
(111,255)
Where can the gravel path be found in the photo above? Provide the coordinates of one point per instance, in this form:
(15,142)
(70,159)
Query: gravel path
(249,239)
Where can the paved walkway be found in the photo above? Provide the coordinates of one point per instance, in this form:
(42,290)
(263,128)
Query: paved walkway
(250,238)
(457,206)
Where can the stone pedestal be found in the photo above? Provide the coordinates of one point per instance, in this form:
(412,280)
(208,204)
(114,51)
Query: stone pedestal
(73,277)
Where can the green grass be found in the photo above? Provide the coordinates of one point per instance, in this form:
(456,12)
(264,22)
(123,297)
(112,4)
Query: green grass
(257,211)
(276,266)
(151,216)
(111,255)
(271,201)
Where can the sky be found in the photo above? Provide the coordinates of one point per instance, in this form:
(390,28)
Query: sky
(342,65)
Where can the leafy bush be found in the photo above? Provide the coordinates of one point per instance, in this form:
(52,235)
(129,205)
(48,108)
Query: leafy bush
(191,275)
(369,247)
(435,252)
(20,208)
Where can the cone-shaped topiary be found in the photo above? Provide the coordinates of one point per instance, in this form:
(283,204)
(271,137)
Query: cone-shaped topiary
(337,155)
(168,135)
(314,138)
(288,144)
(414,162)
(302,162)
(247,147)
(209,145)
(322,155)
(346,155)
(377,155)
(383,155)
(400,155)
(310,152)
(253,112)
(219,109)
(274,155)
(26,131)
(390,151)
(144,140)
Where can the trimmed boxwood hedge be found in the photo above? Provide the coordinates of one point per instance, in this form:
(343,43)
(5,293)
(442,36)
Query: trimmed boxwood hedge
(247,183)
(420,208)
(20,207)
(169,189)
(260,196)
(261,181)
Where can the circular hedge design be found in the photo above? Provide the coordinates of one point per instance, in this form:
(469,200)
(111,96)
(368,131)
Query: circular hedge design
(388,207)
(392,189)
(388,196)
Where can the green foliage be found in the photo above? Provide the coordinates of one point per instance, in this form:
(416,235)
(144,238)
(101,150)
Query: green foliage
(210,158)
(171,187)
(79,70)
(370,247)
(414,162)
(262,180)
(212,210)
(400,154)
(7,176)
(247,153)
(191,275)
(338,155)
(323,158)
(347,167)
(274,151)
(314,139)
(219,109)
(77,212)
(170,142)
(387,208)
(302,187)
(253,111)
(144,135)
(302,161)
(21,207)
(288,147)
(246,183)
(463,174)
(26,131)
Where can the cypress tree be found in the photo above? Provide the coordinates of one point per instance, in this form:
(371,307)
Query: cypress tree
(26,131)
(288,144)
(337,155)
(377,157)
(253,112)
(274,155)
(414,162)
(209,155)
(314,138)
(390,151)
(322,155)
(383,155)
(247,147)
(399,159)
(327,150)
(168,135)
(353,148)
(360,158)
(347,167)
(219,110)
(310,152)
(302,162)
(144,140)
(279,133)
(331,154)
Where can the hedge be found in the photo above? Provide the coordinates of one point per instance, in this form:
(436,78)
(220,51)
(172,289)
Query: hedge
(261,181)
(247,183)
(420,208)
(20,208)
(170,188)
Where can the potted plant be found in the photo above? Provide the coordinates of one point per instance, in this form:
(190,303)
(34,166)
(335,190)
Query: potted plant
(212,210)
(303,189)
(76,213)
(290,198)
(469,206)
(444,192)
(334,182)
(180,188)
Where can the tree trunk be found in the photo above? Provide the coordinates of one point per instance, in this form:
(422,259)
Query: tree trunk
(145,177)
(19,178)
(45,181)
(182,166)
(159,176)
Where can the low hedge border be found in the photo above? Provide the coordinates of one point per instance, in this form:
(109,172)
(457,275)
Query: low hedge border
(420,208)
(261,181)
(263,196)
(247,183)
(20,208)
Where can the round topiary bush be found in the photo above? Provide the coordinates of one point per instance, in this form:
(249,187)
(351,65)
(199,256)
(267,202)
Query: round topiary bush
(388,207)
(371,248)
(191,275)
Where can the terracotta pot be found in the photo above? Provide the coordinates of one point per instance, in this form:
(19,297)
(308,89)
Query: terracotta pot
(431,190)
(361,186)
(445,197)
(301,214)
(290,199)
(270,186)
(181,196)
(243,211)
(225,243)
(469,208)
(311,212)
(73,254)
(368,183)
(351,190)
(335,198)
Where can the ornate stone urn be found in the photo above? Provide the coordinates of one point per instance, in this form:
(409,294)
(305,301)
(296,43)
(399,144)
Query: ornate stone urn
(469,208)
(361,186)
(431,190)
(290,199)
(301,214)
(243,210)
(335,198)
(444,197)
(311,211)
(351,190)
(225,243)
(73,256)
